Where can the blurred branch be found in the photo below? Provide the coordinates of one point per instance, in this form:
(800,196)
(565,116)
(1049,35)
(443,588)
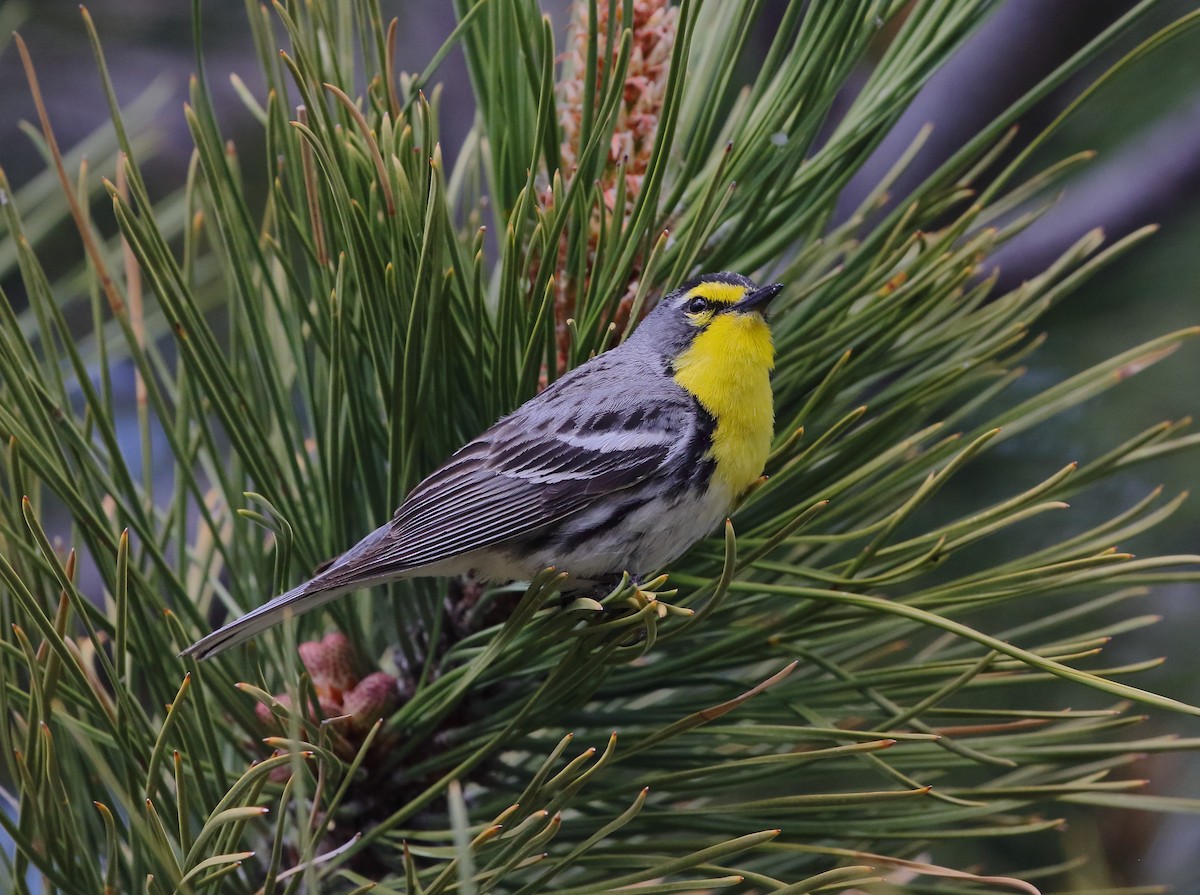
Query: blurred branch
(1021,44)
(1152,178)
(1025,40)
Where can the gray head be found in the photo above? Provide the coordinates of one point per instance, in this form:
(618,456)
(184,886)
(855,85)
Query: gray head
(712,303)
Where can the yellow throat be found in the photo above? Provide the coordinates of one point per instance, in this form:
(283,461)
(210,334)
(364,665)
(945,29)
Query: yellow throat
(728,368)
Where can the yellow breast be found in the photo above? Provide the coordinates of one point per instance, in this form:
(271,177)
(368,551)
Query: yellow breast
(728,369)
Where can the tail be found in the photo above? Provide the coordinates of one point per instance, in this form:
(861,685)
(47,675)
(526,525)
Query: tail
(296,601)
(351,571)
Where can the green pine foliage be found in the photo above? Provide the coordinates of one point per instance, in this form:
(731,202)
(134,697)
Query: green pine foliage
(829,695)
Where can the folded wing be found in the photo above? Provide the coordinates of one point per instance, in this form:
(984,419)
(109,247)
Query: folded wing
(513,480)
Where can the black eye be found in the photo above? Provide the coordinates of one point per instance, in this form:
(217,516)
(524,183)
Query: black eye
(696,306)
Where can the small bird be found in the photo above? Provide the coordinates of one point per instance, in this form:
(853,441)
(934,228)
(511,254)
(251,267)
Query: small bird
(620,465)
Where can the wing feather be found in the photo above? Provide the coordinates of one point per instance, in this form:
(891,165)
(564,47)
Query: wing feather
(514,479)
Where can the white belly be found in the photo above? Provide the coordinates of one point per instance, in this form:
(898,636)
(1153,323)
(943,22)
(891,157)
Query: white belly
(642,542)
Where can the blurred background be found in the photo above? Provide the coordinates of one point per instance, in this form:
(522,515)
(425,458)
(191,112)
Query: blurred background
(1144,126)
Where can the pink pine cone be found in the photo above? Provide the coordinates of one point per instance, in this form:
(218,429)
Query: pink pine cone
(330,663)
(372,698)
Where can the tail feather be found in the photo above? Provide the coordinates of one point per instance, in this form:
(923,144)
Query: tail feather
(294,602)
(339,576)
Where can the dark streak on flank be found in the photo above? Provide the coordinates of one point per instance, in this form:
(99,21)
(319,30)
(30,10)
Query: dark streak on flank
(577,539)
(696,465)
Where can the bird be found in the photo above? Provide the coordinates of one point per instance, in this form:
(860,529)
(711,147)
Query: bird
(618,466)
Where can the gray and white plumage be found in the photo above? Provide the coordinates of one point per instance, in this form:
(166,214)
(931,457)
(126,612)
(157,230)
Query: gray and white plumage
(616,440)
